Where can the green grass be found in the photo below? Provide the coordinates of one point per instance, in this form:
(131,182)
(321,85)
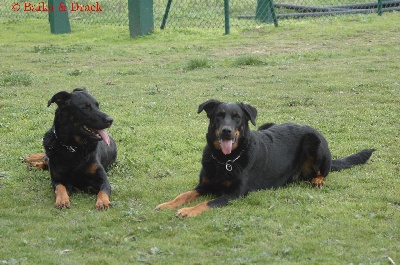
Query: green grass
(197,63)
(15,78)
(248,60)
(340,76)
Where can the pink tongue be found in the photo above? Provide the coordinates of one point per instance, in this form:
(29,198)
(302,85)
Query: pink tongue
(226,146)
(105,136)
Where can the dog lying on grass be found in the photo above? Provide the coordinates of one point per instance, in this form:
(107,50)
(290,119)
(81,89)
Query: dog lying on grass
(78,149)
(237,160)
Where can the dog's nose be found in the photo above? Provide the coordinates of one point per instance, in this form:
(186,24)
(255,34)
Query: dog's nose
(109,120)
(226,130)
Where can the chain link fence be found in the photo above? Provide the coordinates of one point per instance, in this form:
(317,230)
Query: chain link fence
(196,13)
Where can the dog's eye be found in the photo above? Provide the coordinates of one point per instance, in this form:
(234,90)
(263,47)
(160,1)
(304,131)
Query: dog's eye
(88,105)
(221,114)
(235,116)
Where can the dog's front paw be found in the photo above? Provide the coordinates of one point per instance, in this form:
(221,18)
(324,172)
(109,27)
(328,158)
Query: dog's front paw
(63,202)
(103,205)
(62,198)
(103,201)
(186,212)
(192,211)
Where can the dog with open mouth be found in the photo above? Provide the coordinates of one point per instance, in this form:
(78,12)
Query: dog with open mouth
(237,160)
(78,150)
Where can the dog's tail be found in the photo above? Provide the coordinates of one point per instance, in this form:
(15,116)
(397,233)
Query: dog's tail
(352,160)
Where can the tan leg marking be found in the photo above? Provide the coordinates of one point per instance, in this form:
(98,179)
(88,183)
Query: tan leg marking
(62,198)
(103,201)
(318,181)
(193,211)
(186,197)
(34,158)
(36,161)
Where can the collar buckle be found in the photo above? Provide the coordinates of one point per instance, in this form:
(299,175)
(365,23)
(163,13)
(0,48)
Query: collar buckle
(228,164)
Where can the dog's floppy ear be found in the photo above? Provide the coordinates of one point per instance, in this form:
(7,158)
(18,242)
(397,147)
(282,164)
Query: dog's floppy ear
(251,112)
(60,98)
(208,106)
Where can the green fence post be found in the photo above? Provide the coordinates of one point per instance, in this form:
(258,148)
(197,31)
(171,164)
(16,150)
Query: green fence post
(227,24)
(58,17)
(265,12)
(380,7)
(141,20)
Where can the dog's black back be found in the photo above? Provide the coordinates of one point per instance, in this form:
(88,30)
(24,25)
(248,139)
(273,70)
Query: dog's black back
(77,146)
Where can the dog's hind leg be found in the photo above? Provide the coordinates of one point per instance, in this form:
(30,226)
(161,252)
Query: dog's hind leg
(37,161)
(318,181)
(315,156)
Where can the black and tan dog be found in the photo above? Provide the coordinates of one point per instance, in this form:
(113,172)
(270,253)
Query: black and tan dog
(237,160)
(78,149)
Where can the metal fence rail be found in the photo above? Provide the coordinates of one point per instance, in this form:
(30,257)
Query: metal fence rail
(197,13)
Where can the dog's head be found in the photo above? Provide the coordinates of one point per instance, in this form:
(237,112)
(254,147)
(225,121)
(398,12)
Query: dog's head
(228,123)
(78,114)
